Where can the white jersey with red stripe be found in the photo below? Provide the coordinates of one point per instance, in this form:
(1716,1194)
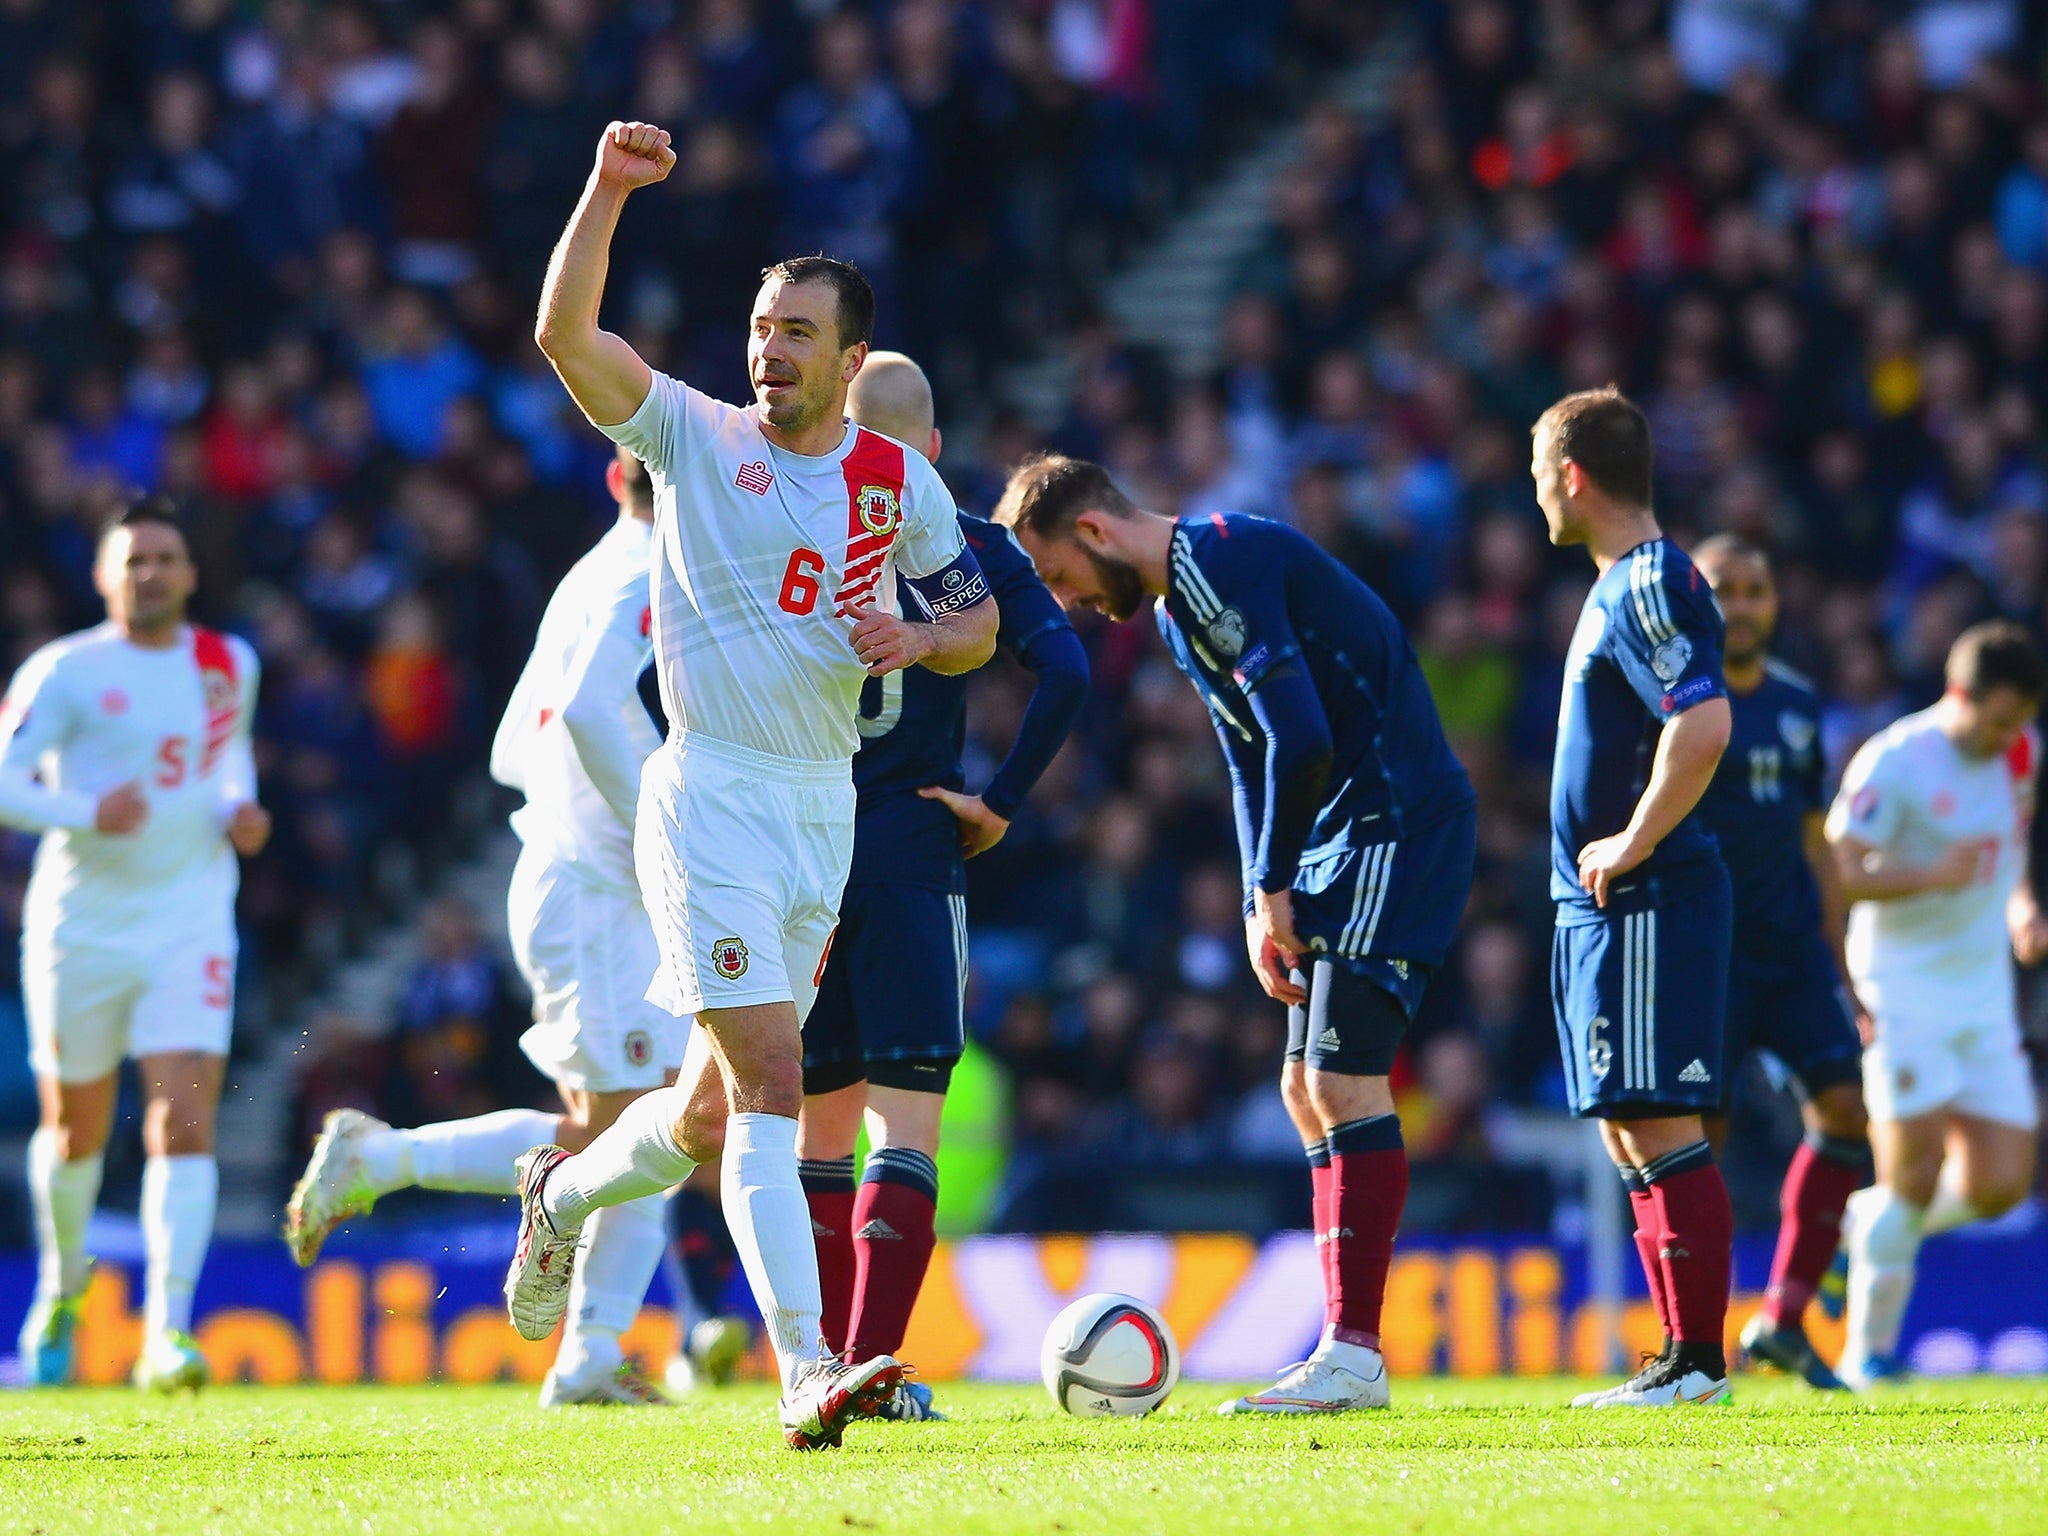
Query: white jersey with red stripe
(1942,959)
(761,558)
(575,733)
(93,711)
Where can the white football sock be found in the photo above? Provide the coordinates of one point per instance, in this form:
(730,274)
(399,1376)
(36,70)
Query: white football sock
(636,1156)
(1948,1209)
(63,1194)
(178,1197)
(683,1299)
(477,1156)
(620,1250)
(771,1227)
(1883,1243)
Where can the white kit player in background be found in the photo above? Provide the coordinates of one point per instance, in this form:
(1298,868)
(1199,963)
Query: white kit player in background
(573,741)
(127,747)
(780,532)
(1930,835)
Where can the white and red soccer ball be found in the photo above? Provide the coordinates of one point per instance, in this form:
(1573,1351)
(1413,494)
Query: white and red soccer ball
(1109,1356)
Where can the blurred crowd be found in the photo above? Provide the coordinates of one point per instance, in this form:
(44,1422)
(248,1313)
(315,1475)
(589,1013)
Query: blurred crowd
(280,260)
(1811,238)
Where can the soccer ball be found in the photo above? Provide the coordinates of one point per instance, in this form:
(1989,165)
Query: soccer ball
(1109,1355)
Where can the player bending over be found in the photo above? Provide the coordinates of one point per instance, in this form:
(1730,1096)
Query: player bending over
(888,1027)
(1639,962)
(1787,995)
(127,747)
(779,534)
(1355,823)
(1930,837)
(572,742)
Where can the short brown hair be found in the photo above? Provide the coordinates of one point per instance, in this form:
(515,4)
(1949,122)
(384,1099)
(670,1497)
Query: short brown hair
(1997,654)
(850,288)
(1606,435)
(1047,493)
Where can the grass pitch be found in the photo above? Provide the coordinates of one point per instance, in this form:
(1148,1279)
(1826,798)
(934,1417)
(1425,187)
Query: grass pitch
(1962,1456)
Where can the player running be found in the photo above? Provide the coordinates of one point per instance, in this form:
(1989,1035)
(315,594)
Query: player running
(1355,823)
(1930,837)
(1766,808)
(572,741)
(1639,961)
(888,1025)
(779,533)
(127,747)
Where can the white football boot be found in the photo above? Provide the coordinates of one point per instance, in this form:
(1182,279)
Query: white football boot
(335,1185)
(537,1284)
(171,1362)
(1667,1382)
(711,1356)
(828,1395)
(1337,1378)
(620,1384)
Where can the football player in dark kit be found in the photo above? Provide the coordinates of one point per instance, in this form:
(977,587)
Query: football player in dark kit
(887,1027)
(1639,962)
(1355,824)
(1787,987)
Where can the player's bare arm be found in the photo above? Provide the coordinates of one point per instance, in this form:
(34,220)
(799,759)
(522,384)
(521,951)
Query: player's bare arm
(605,376)
(1275,947)
(980,828)
(1834,907)
(248,829)
(1687,754)
(2026,923)
(1956,869)
(950,644)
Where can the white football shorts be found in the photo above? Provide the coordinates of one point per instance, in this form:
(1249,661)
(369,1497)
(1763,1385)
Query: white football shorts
(1971,1069)
(89,1006)
(587,951)
(742,859)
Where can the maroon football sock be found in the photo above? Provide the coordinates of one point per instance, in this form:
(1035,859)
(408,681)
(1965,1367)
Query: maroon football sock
(1824,1173)
(1369,1186)
(1323,1212)
(828,1189)
(1698,1242)
(1649,1239)
(893,1242)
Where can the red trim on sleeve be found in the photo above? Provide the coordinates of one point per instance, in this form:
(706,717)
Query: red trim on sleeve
(875,473)
(220,687)
(2019,757)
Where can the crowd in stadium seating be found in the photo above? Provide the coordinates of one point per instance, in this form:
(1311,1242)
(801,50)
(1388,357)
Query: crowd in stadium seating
(279,260)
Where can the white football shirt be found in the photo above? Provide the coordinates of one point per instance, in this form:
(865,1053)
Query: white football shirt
(575,733)
(1942,959)
(91,712)
(761,556)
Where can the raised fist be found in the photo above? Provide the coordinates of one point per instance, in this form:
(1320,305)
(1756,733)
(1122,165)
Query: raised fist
(634,155)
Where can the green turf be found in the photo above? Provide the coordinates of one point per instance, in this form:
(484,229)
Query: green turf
(1963,1456)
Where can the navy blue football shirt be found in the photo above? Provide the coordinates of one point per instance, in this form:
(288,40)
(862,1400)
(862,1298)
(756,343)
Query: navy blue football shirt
(1770,780)
(913,728)
(1298,660)
(1647,648)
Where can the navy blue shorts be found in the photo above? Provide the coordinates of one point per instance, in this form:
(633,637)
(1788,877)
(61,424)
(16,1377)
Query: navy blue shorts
(1355,898)
(1796,1006)
(1356,1014)
(1641,1001)
(891,1002)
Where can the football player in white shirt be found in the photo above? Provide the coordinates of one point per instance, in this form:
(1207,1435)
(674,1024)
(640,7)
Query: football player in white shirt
(1930,836)
(127,747)
(573,741)
(780,532)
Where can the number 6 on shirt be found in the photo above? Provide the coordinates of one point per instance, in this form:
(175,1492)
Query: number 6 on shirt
(800,581)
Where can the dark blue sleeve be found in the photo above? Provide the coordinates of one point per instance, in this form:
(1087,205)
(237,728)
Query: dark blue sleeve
(1235,586)
(1055,655)
(1247,764)
(1296,769)
(1666,637)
